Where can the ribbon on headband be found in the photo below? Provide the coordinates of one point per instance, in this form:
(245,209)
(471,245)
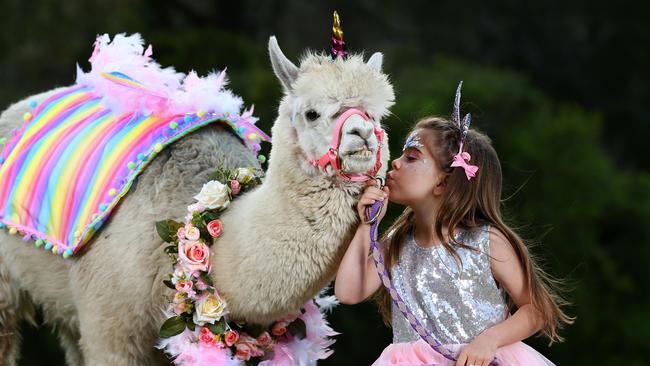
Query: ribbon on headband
(461,160)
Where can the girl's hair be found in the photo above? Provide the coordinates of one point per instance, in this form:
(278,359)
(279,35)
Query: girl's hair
(470,204)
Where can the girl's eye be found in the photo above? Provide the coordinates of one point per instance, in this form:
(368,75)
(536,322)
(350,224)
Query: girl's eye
(411,158)
(312,115)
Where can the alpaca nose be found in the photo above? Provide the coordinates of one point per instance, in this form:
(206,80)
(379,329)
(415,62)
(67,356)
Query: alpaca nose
(364,131)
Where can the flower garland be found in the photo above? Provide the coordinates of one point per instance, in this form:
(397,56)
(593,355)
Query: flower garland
(198,331)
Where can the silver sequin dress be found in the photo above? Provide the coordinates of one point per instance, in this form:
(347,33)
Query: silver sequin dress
(455,303)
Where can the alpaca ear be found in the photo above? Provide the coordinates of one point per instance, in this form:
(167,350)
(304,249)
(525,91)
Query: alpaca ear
(375,61)
(284,69)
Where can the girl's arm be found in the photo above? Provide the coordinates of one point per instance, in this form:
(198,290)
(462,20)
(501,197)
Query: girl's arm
(357,277)
(508,272)
(525,322)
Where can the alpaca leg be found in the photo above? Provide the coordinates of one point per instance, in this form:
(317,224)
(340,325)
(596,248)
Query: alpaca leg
(100,345)
(120,337)
(117,347)
(9,323)
(14,307)
(69,339)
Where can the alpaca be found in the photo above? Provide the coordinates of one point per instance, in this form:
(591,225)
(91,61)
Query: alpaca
(281,243)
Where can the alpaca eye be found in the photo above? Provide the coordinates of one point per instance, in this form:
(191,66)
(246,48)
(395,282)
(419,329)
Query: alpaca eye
(312,115)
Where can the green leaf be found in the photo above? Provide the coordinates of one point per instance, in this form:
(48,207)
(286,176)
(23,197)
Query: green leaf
(167,230)
(205,235)
(169,284)
(218,328)
(298,328)
(206,279)
(219,175)
(190,325)
(172,327)
(209,216)
(198,222)
(254,330)
(240,324)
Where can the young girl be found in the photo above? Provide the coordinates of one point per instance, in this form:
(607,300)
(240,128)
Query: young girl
(455,263)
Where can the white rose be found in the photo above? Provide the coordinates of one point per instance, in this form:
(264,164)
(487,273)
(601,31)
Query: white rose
(213,195)
(209,310)
(244,175)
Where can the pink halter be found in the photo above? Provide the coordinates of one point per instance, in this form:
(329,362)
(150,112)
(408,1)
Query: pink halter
(332,155)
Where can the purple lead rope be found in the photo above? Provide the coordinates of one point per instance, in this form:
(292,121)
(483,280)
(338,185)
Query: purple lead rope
(397,299)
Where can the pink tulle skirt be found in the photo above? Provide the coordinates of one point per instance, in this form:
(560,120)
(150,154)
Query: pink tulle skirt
(420,353)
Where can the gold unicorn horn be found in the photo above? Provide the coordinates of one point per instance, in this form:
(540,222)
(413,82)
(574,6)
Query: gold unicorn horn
(338,44)
(336,28)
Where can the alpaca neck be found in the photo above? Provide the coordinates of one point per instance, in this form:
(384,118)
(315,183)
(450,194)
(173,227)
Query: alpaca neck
(313,195)
(294,217)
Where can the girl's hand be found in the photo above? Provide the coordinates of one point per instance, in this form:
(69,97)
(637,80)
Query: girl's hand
(370,195)
(478,353)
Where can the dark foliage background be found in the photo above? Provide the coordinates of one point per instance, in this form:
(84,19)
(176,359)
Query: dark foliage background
(561,87)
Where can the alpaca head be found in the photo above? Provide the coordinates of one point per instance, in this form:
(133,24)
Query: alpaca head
(318,92)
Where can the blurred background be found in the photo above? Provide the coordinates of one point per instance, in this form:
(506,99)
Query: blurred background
(561,87)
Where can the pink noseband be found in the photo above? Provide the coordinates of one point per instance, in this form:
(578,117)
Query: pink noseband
(332,155)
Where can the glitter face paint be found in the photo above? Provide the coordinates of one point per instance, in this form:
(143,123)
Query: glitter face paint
(413,141)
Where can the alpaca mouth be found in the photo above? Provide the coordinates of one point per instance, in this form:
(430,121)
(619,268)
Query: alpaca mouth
(360,154)
(358,161)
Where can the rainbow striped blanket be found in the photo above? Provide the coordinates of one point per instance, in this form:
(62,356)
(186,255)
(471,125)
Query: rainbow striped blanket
(67,168)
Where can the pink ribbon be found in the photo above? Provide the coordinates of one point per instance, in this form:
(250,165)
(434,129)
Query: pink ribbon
(460,160)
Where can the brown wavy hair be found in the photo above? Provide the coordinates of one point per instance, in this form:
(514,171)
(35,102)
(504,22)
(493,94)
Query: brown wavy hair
(472,204)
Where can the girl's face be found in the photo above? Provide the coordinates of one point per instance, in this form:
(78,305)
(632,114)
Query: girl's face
(415,176)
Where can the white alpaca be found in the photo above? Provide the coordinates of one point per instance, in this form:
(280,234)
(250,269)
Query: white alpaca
(281,243)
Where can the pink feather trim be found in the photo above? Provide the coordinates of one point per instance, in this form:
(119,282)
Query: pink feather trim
(187,351)
(164,91)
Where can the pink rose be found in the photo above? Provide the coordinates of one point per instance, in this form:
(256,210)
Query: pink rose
(180,308)
(184,286)
(279,328)
(264,339)
(234,187)
(244,351)
(206,337)
(192,233)
(194,255)
(181,233)
(200,285)
(214,228)
(246,348)
(231,337)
